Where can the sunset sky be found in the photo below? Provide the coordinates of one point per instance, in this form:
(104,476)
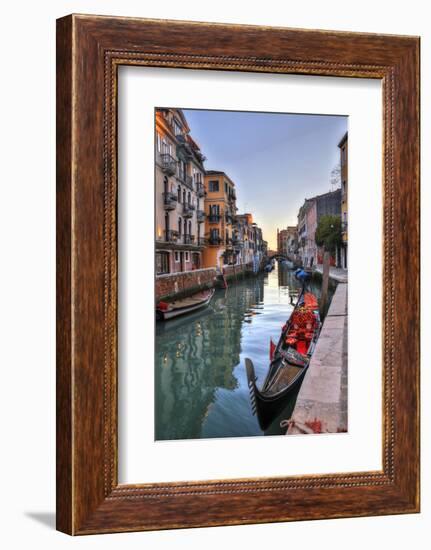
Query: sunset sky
(276,160)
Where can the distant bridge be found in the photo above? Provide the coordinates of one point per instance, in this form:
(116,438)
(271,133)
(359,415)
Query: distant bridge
(279,256)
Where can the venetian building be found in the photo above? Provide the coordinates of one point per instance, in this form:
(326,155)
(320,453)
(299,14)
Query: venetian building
(179,204)
(308,219)
(220,210)
(343,145)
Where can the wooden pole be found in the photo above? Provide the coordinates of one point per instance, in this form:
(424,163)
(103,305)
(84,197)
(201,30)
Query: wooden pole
(325,281)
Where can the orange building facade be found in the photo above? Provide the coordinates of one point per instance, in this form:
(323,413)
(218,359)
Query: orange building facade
(220,216)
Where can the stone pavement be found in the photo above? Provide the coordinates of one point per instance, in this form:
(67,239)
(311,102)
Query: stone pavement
(322,399)
(336,273)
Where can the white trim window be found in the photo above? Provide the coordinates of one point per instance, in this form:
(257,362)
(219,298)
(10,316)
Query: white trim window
(177,257)
(187,256)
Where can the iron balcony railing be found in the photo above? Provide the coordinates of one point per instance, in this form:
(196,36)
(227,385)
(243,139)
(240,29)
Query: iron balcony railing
(171,236)
(170,200)
(186,180)
(189,239)
(188,210)
(214,218)
(200,189)
(169,164)
(215,240)
(202,241)
(200,216)
(184,145)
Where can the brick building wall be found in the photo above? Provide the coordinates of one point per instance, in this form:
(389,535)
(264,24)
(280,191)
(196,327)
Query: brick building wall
(184,282)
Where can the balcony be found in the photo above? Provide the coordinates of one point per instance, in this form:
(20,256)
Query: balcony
(232,196)
(202,241)
(169,164)
(214,218)
(188,210)
(215,240)
(188,180)
(184,145)
(200,190)
(189,239)
(228,217)
(170,200)
(200,216)
(171,236)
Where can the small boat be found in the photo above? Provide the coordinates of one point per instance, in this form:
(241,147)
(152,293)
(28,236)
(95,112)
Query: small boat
(302,274)
(169,310)
(289,361)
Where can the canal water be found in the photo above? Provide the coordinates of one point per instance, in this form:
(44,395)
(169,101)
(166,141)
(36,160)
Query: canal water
(201,388)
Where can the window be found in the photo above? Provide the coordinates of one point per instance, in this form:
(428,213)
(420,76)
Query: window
(177,127)
(213,186)
(225,187)
(177,257)
(179,194)
(187,256)
(179,226)
(190,227)
(162,263)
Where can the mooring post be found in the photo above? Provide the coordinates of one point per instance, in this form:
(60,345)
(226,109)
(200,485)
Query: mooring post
(325,281)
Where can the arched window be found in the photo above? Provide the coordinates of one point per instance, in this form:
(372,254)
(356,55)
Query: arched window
(189,198)
(179,194)
(190,227)
(184,196)
(165,184)
(179,226)
(185,227)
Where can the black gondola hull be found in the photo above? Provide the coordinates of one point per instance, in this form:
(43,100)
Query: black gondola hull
(266,407)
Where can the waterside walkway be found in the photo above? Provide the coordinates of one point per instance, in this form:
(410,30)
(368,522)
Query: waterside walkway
(336,273)
(321,405)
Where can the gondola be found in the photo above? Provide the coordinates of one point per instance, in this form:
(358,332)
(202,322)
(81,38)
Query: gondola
(289,361)
(169,310)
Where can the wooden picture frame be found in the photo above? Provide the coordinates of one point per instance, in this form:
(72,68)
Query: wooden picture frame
(89,51)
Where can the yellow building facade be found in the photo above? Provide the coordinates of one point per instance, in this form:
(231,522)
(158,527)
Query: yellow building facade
(220,210)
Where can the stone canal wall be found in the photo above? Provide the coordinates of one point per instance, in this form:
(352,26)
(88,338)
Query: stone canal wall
(321,405)
(178,285)
(184,283)
(233,271)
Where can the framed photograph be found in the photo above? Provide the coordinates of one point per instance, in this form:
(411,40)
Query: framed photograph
(237,274)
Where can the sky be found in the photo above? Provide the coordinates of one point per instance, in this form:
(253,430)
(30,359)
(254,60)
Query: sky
(275,160)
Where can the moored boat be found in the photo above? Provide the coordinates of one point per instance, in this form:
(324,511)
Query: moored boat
(169,310)
(289,361)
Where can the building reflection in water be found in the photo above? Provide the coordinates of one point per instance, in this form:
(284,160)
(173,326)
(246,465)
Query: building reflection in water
(200,381)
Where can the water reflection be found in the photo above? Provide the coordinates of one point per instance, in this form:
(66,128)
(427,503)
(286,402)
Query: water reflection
(200,381)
